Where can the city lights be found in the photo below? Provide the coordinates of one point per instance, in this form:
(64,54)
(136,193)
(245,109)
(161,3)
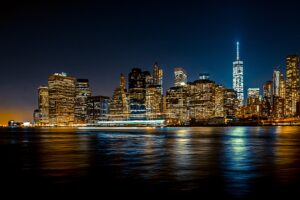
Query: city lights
(67,101)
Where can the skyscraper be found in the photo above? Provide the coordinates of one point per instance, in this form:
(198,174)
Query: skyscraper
(83,91)
(292,85)
(219,101)
(153,101)
(254,106)
(97,108)
(238,76)
(61,99)
(154,93)
(158,77)
(180,77)
(43,94)
(122,82)
(202,99)
(119,109)
(177,105)
(267,99)
(137,92)
(253,95)
(230,103)
(278,94)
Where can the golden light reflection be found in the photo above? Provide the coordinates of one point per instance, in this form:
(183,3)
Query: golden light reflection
(63,155)
(287,153)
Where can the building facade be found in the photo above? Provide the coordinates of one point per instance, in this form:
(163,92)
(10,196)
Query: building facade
(61,99)
(42,114)
(158,77)
(137,92)
(231,103)
(202,100)
(83,92)
(119,105)
(177,105)
(267,102)
(238,76)
(254,104)
(97,109)
(292,85)
(219,101)
(278,95)
(153,102)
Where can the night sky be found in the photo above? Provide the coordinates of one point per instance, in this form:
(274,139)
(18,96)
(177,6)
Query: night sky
(100,40)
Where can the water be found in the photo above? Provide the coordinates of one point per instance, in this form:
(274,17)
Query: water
(226,162)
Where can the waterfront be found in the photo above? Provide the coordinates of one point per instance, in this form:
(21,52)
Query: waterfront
(228,162)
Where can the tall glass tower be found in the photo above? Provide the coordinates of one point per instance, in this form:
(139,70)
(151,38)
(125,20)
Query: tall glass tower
(238,76)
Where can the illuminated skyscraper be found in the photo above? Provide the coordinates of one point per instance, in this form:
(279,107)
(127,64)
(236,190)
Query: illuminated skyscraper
(253,95)
(180,77)
(226,103)
(292,85)
(97,108)
(278,93)
(61,99)
(177,105)
(219,101)
(267,99)
(119,109)
(154,92)
(158,77)
(276,82)
(83,91)
(238,76)
(122,82)
(137,83)
(254,103)
(41,115)
(202,99)
(153,101)
(230,103)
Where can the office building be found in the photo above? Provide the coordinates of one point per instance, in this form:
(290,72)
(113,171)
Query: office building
(278,95)
(158,77)
(83,92)
(41,115)
(267,102)
(97,109)
(231,103)
(138,80)
(177,105)
(61,99)
(202,100)
(292,85)
(119,106)
(238,76)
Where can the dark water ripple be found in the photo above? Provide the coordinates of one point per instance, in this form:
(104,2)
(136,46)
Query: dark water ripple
(228,162)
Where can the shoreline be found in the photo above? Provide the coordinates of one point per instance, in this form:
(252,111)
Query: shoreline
(142,127)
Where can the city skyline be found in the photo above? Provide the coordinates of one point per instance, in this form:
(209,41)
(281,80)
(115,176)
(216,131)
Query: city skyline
(69,101)
(28,54)
(187,79)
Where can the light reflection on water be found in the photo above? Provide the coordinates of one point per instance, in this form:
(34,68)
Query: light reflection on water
(238,161)
(234,160)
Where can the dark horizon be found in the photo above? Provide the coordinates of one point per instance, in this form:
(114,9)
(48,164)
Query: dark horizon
(99,41)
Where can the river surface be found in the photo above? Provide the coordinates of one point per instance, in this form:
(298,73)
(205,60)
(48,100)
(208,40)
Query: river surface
(225,162)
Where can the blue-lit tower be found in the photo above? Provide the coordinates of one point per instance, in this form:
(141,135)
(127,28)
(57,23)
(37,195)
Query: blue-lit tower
(238,76)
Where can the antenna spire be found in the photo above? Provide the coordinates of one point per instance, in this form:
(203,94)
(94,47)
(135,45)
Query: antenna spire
(237,50)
